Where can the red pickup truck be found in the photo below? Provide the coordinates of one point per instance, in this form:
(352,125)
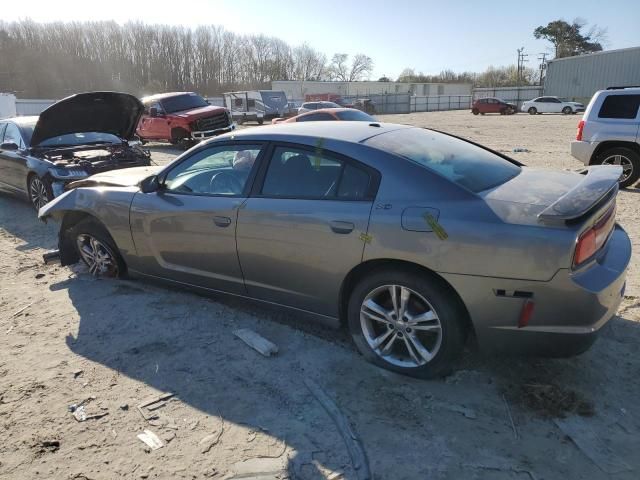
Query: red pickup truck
(181,118)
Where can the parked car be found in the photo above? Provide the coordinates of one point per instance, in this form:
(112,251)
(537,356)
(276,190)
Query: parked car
(327,97)
(411,237)
(493,105)
(309,106)
(76,137)
(608,133)
(182,118)
(329,114)
(551,105)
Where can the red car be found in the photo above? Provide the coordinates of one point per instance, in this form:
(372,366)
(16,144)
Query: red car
(181,118)
(493,105)
(330,114)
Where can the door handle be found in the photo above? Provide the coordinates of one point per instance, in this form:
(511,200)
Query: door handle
(222,221)
(341,227)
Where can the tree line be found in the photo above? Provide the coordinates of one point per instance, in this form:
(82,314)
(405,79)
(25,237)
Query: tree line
(53,60)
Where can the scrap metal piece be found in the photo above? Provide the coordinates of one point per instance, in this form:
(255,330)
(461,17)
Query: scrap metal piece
(255,341)
(151,440)
(151,404)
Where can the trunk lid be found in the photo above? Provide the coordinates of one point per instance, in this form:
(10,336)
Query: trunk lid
(552,197)
(106,112)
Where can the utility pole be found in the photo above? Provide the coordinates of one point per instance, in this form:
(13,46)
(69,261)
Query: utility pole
(543,65)
(522,57)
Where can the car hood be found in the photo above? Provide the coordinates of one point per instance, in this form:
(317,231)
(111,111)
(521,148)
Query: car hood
(198,113)
(107,112)
(126,177)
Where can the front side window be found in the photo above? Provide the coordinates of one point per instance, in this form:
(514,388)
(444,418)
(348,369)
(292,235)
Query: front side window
(298,173)
(461,162)
(12,135)
(218,170)
(620,106)
(353,115)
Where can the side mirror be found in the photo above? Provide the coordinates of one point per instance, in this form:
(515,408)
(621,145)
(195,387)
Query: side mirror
(153,111)
(150,184)
(9,146)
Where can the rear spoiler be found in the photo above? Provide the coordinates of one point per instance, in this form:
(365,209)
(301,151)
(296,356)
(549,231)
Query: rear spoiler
(600,182)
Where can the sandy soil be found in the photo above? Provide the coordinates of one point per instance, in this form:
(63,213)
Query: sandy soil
(67,338)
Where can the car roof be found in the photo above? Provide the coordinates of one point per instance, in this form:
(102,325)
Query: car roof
(27,121)
(622,90)
(310,132)
(327,110)
(160,96)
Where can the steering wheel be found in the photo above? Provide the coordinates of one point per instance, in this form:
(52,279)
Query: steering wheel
(224,182)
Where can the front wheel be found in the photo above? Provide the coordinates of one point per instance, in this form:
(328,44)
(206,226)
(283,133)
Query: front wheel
(408,323)
(40,192)
(532,111)
(567,110)
(475,111)
(96,249)
(628,159)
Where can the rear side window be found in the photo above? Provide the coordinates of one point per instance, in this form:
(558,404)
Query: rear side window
(355,116)
(316,117)
(461,162)
(620,106)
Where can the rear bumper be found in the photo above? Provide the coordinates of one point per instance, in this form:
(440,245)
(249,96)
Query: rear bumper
(583,151)
(569,310)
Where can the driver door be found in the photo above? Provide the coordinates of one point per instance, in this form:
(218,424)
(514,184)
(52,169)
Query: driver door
(185,231)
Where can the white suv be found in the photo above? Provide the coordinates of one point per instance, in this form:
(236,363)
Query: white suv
(608,132)
(551,105)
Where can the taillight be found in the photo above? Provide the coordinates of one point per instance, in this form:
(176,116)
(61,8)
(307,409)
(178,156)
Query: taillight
(580,129)
(594,239)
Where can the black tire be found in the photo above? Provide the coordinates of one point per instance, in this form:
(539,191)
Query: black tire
(532,110)
(481,113)
(260,121)
(445,303)
(627,157)
(91,227)
(475,111)
(503,111)
(39,191)
(510,111)
(567,110)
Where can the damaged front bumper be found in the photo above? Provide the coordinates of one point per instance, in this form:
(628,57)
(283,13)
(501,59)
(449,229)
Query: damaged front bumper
(202,134)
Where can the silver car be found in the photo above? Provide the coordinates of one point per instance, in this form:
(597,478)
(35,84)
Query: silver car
(413,238)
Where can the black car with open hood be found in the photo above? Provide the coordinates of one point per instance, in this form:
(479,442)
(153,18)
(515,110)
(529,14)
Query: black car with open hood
(74,138)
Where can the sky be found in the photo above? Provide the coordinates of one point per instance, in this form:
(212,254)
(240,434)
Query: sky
(428,36)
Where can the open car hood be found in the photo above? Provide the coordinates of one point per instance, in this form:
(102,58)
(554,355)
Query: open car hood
(107,112)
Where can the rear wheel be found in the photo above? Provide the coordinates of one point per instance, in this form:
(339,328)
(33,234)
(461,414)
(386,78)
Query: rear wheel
(532,110)
(628,159)
(475,111)
(567,110)
(407,322)
(39,190)
(97,249)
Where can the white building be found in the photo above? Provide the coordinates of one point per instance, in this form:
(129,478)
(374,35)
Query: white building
(296,90)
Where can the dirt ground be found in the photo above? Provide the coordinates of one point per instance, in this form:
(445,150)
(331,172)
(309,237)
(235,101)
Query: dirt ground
(103,347)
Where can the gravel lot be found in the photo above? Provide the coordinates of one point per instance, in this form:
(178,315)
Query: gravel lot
(67,338)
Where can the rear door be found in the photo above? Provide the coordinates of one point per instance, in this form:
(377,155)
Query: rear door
(303,228)
(554,105)
(616,118)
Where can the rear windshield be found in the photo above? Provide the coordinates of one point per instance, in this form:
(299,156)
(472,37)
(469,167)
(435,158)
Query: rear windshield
(355,116)
(180,103)
(461,162)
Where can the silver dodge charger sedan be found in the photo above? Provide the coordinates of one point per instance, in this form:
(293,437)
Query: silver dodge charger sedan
(413,238)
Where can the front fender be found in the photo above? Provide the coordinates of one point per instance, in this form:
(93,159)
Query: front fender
(108,205)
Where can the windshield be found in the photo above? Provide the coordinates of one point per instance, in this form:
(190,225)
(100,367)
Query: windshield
(81,138)
(355,116)
(467,165)
(180,103)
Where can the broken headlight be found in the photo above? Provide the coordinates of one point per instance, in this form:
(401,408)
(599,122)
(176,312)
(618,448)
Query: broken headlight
(68,173)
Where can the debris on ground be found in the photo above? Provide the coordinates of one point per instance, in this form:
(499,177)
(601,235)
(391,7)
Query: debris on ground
(77,373)
(39,276)
(594,447)
(359,459)
(18,312)
(124,406)
(151,440)
(520,149)
(255,341)
(47,446)
(79,411)
(148,407)
(211,440)
(552,401)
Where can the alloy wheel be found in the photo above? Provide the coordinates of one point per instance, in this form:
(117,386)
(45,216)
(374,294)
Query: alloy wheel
(98,256)
(400,326)
(623,161)
(38,193)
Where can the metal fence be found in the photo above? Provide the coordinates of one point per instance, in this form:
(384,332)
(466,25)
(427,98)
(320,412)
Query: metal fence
(31,107)
(440,103)
(515,95)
